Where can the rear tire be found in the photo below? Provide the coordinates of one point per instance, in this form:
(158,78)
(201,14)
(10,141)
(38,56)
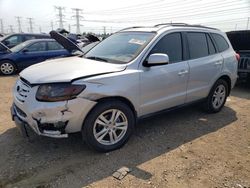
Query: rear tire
(217,97)
(108,126)
(7,67)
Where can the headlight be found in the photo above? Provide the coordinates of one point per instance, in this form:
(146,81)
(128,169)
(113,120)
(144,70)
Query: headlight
(58,92)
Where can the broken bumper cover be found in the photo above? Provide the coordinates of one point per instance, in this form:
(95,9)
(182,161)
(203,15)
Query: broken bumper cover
(49,119)
(23,126)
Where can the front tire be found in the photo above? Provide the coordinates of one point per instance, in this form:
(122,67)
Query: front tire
(7,67)
(108,126)
(217,97)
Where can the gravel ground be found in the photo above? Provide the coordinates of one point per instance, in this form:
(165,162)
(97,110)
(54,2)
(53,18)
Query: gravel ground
(183,148)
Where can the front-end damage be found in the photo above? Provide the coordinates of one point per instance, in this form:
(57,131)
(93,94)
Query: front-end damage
(55,119)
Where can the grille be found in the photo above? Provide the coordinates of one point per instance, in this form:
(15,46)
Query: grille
(21,90)
(244,61)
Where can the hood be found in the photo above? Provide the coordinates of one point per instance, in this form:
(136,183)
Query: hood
(65,42)
(67,70)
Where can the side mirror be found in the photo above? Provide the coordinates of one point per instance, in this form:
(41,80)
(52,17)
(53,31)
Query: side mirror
(25,50)
(157,59)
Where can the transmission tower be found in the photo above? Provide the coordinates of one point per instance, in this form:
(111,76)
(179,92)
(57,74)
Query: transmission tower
(19,24)
(30,20)
(60,15)
(78,18)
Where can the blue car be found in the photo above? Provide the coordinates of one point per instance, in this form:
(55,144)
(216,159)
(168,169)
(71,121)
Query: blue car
(29,53)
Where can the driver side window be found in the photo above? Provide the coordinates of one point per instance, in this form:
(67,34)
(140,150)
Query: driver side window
(170,44)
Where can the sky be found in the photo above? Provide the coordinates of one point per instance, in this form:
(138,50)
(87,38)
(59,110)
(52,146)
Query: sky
(111,15)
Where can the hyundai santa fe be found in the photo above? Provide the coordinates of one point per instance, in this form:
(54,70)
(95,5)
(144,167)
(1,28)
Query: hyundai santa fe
(134,73)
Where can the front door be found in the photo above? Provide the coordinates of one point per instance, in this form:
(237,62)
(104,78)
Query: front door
(164,86)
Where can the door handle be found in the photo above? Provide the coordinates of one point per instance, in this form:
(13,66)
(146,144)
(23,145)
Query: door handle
(182,72)
(218,62)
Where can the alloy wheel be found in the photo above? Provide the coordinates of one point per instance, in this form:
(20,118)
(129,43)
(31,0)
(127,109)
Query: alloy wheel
(110,127)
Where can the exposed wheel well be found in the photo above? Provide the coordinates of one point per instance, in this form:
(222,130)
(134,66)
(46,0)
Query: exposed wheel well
(122,99)
(228,80)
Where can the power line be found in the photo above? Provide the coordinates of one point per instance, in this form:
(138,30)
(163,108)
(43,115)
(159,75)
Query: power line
(60,15)
(30,21)
(78,18)
(19,24)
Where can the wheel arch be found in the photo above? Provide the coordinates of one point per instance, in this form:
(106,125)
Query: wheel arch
(113,98)
(228,80)
(119,98)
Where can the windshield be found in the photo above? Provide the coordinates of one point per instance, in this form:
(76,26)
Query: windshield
(19,47)
(120,48)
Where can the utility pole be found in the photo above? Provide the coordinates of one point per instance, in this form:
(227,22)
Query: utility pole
(104,30)
(19,24)
(1,25)
(11,29)
(78,19)
(60,15)
(235,27)
(30,21)
(248,19)
(52,25)
(40,29)
(69,28)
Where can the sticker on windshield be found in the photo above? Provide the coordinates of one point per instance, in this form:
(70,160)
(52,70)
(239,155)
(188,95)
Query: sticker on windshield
(137,41)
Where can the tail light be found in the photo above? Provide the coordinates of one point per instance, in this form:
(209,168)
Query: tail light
(237,57)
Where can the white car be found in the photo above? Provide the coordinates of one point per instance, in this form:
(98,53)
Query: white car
(134,73)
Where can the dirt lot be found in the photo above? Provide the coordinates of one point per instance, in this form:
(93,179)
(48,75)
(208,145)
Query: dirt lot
(183,148)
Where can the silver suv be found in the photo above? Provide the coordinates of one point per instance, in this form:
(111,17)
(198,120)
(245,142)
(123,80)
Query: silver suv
(134,73)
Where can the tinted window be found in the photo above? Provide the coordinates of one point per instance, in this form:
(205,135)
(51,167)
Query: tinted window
(29,37)
(39,46)
(197,45)
(54,46)
(220,42)
(171,45)
(211,47)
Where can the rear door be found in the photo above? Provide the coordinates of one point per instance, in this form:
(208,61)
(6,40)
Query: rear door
(205,65)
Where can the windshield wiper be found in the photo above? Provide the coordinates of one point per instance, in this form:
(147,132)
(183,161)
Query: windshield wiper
(97,58)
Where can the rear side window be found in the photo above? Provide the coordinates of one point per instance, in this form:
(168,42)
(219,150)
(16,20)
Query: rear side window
(170,44)
(54,46)
(211,48)
(29,37)
(37,47)
(220,42)
(197,45)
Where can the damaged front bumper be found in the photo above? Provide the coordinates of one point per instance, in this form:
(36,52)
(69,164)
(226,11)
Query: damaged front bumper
(23,126)
(50,119)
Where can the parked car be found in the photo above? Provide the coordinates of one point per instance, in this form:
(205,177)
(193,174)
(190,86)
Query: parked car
(14,39)
(132,74)
(29,53)
(240,41)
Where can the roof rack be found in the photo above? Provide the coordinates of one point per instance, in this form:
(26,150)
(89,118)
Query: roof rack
(133,27)
(184,25)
